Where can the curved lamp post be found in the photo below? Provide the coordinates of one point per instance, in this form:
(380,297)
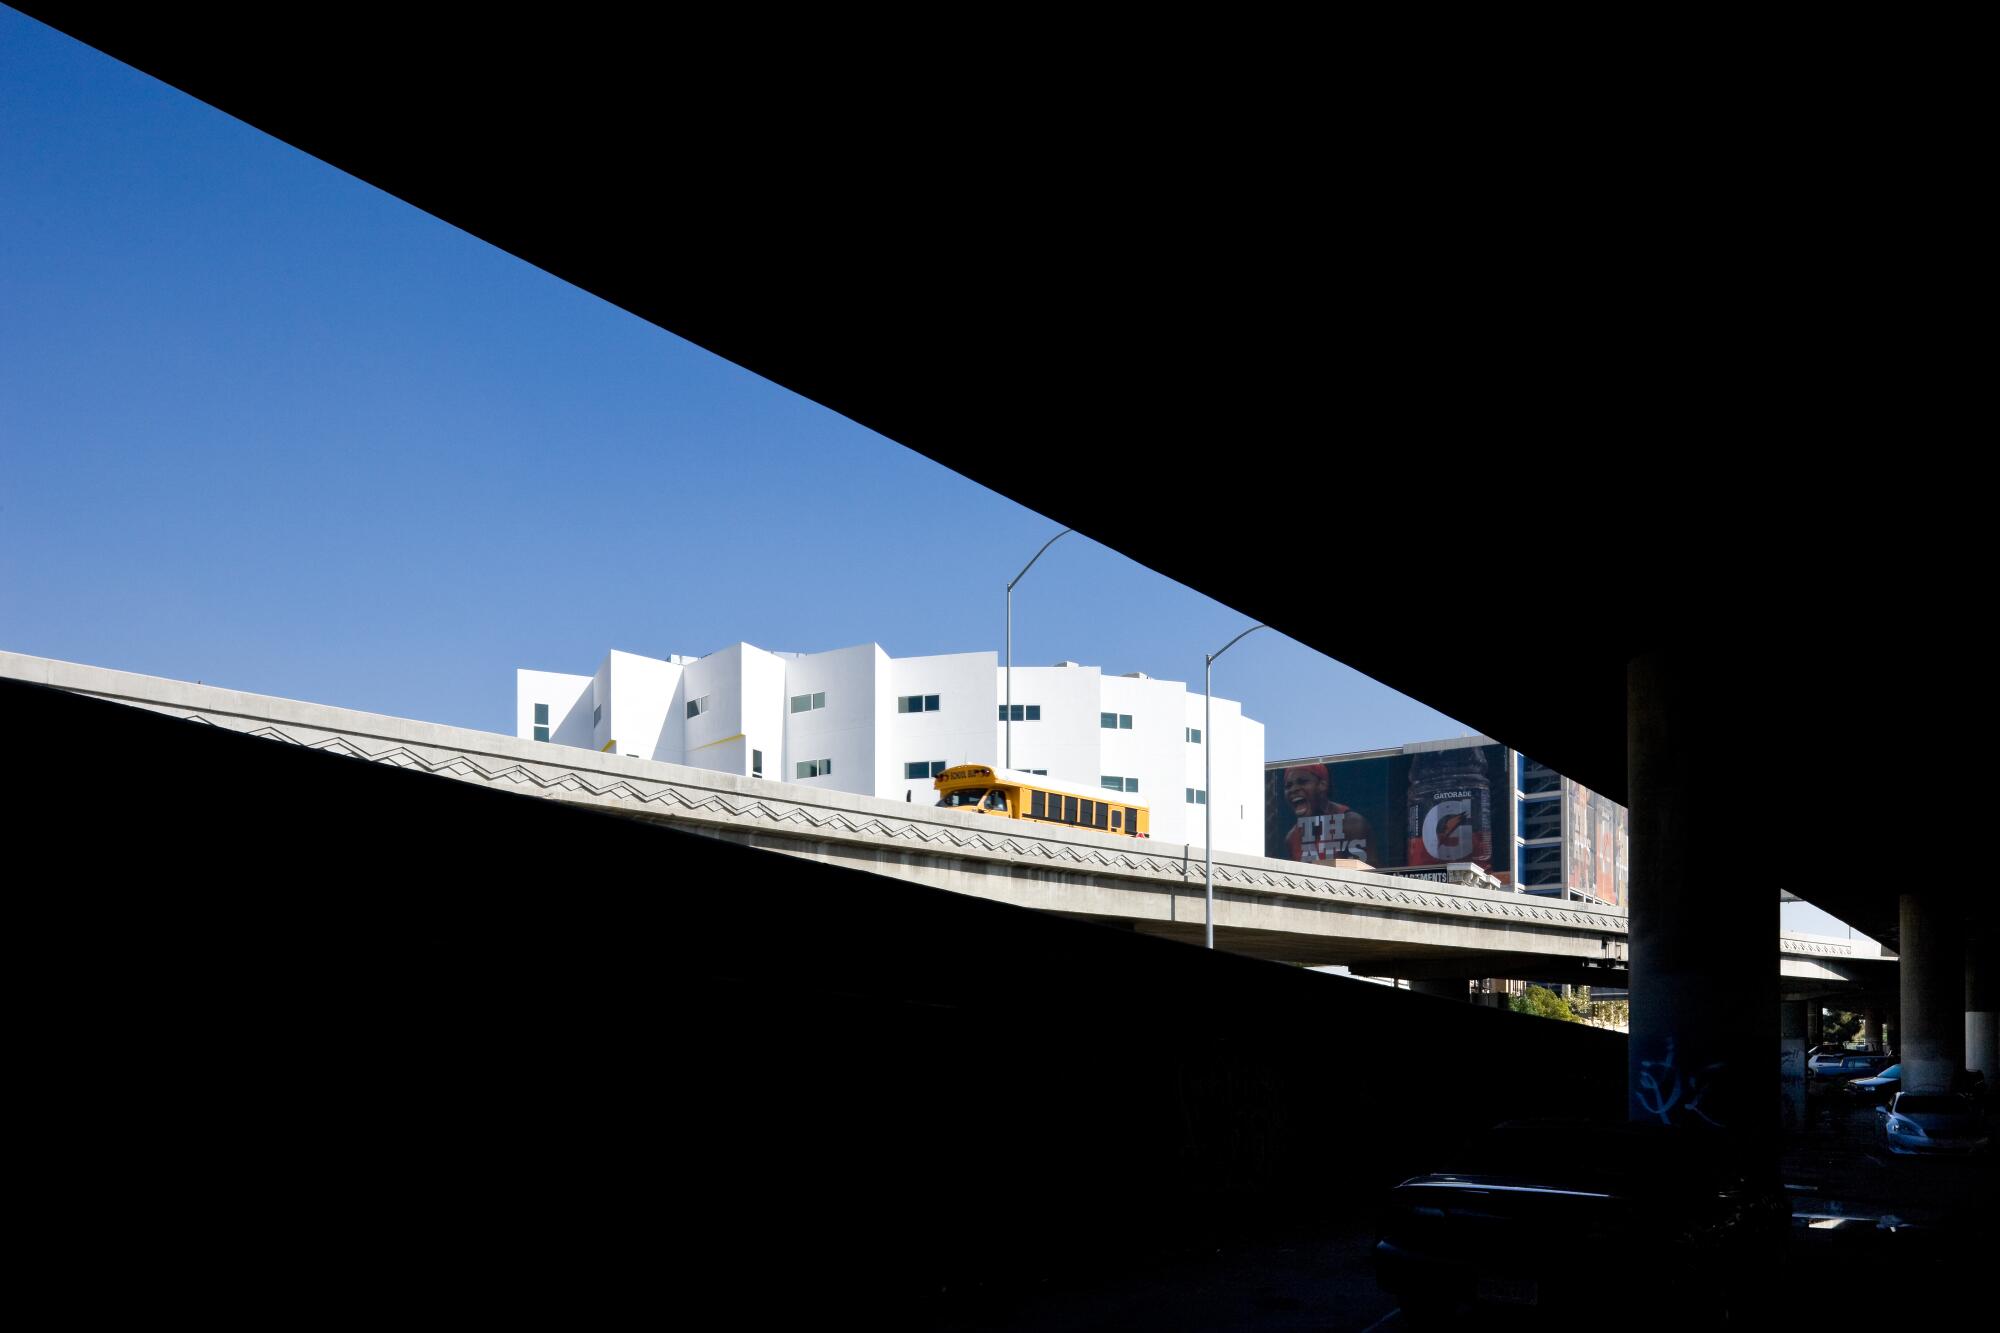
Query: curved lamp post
(1208,787)
(1008,711)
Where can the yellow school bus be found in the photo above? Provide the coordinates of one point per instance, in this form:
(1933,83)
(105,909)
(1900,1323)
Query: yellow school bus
(1013,795)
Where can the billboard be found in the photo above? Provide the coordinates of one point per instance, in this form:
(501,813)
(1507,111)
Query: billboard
(1597,844)
(1430,807)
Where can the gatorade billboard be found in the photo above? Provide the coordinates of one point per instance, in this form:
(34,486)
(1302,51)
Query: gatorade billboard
(1395,809)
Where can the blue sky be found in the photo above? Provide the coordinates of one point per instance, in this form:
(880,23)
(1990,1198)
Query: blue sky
(267,427)
(264,426)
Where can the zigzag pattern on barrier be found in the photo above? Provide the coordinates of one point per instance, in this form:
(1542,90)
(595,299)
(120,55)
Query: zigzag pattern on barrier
(1832,948)
(758,808)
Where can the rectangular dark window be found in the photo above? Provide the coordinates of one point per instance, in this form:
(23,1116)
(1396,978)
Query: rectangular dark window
(1103,819)
(1538,778)
(541,715)
(596,714)
(1131,820)
(805,703)
(696,707)
(1086,812)
(756,763)
(1124,722)
(1069,809)
(1194,735)
(1109,721)
(923,768)
(1541,818)
(1037,806)
(1117,820)
(916,703)
(1110,783)
(1131,784)
(815,768)
(541,733)
(1023,712)
(930,703)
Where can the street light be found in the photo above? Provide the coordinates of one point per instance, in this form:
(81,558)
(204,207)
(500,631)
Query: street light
(1008,711)
(1208,787)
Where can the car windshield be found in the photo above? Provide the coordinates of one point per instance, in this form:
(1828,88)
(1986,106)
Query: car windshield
(1618,1157)
(967,798)
(1893,1071)
(1933,1105)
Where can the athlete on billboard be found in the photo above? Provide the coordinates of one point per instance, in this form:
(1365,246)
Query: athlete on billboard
(1326,830)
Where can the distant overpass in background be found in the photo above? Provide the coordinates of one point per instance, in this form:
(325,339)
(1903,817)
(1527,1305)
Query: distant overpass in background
(1287,911)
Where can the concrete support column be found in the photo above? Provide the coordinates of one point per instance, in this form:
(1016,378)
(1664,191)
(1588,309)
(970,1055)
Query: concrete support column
(1446,989)
(1932,948)
(1871,1028)
(1982,1002)
(1793,1032)
(1703,932)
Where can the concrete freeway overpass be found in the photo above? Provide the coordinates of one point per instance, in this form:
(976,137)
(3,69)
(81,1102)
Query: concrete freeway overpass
(1314,915)
(1729,626)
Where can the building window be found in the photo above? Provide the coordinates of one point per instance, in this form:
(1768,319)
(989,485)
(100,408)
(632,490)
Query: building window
(815,768)
(1541,818)
(1039,772)
(1194,735)
(1119,784)
(1023,712)
(805,703)
(922,768)
(1196,796)
(541,715)
(696,707)
(756,763)
(1537,779)
(596,714)
(1115,721)
(541,733)
(916,703)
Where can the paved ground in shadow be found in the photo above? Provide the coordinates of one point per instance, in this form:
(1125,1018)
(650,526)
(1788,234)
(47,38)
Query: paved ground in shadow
(1912,1235)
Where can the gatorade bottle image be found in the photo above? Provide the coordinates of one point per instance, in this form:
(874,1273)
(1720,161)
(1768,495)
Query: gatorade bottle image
(1450,809)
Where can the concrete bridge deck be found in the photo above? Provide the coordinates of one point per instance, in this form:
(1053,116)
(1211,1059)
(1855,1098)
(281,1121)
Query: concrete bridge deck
(1280,910)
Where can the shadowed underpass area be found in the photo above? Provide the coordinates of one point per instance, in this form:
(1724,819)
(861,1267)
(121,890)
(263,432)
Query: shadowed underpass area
(332,1026)
(342,1019)
(326,1033)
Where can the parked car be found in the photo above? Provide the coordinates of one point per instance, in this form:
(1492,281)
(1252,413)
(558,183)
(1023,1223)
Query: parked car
(1877,1087)
(1846,1065)
(1566,1219)
(1919,1122)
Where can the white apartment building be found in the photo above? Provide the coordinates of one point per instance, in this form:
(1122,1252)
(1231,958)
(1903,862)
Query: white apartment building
(858,720)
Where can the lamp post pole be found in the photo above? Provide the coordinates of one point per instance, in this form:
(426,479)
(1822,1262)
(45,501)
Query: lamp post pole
(1208,787)
(1008,712)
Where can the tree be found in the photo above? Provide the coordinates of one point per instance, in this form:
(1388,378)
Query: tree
(1543,1003)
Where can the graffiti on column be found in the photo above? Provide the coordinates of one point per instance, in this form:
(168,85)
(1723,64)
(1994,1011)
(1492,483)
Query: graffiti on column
(1677,1098)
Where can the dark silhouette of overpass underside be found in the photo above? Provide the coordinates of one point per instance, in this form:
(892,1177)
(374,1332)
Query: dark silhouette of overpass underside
(342,1009)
